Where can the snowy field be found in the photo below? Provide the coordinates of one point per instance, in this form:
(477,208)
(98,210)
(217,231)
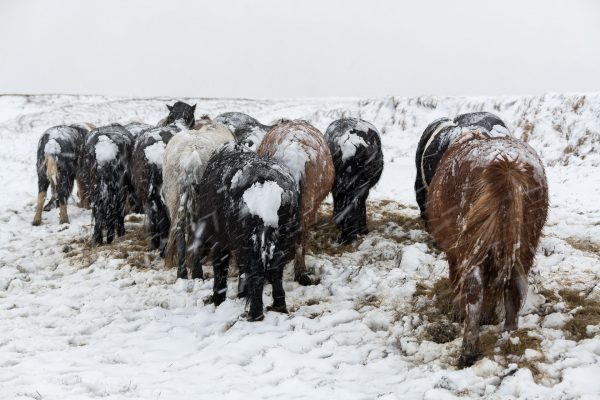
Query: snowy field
(112,322)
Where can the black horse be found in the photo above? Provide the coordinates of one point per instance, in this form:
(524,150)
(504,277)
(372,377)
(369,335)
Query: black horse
(247,130)
(180,112)
(146,178)
(358,160)
(57,165)
(436,139)
(105,162)
(248,205)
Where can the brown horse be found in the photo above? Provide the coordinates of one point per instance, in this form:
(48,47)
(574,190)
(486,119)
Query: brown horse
(303,149)
(487,204)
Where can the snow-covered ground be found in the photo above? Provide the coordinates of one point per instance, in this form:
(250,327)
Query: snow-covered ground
(78,323)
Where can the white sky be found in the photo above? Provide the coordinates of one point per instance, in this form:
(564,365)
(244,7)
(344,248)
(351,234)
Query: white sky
(307,48)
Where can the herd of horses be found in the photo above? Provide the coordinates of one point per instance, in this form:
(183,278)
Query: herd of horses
(231,187)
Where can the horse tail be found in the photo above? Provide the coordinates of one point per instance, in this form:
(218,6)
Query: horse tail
(494,224)
(178,221)
(107,193)
(52,171)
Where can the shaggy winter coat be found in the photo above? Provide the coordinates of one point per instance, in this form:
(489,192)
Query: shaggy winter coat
(358,160)
(303,149)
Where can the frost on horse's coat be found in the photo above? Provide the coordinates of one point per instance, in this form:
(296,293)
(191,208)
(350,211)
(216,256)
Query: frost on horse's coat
(358,160)
(487,204)
(257,218)
(184,162)
(303,149)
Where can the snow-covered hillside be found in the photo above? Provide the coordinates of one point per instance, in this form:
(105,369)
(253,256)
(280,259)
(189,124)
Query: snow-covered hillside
(79,322)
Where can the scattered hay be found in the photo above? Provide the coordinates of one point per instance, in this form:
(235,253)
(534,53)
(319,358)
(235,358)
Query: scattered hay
(585,312)
(441,331)
(573,298)
(322,238)
(436,305)
(587,246)
(511,348)
(550,295)
(133,247)
(367,301)
(386,218)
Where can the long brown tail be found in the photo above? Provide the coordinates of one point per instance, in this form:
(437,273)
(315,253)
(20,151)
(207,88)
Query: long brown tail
(52,171)
(494,224)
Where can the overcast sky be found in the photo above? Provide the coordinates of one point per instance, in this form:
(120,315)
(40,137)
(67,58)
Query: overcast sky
(307,48)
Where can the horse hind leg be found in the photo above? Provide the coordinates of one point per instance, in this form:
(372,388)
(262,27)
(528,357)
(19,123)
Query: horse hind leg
(43,184)
(362,205)
(300,273)
(278,291)
(63,191)
(37,218)
(514,292)
(472,303)
(221,270)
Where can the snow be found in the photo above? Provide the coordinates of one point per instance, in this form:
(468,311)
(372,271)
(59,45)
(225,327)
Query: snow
(84,327)
(52,147)
(348,143)
(263,200)
(106,150)
(294,156)
(154,153)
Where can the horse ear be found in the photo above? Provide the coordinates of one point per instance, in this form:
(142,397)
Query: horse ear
(170,107)
(194,107)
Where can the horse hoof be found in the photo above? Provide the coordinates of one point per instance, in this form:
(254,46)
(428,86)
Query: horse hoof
(467,360)
(280,309)
(197,275)
(251,318)
(510,327)
(182,275)
(36,222)
(218,298)
(305,280)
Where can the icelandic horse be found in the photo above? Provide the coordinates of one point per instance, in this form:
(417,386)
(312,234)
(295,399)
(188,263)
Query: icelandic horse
(486,206)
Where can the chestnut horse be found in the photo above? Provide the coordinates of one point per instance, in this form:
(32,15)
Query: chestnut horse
(303,149)
(486,205)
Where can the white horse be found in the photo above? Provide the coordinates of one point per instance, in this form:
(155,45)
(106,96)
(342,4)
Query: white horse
(184,162)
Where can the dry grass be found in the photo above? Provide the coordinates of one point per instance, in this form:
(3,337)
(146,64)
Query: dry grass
(436,305)
(133,247)
(511,349)
(585,312)
(367,301)
(385,218)
(584,245)
(322,238)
